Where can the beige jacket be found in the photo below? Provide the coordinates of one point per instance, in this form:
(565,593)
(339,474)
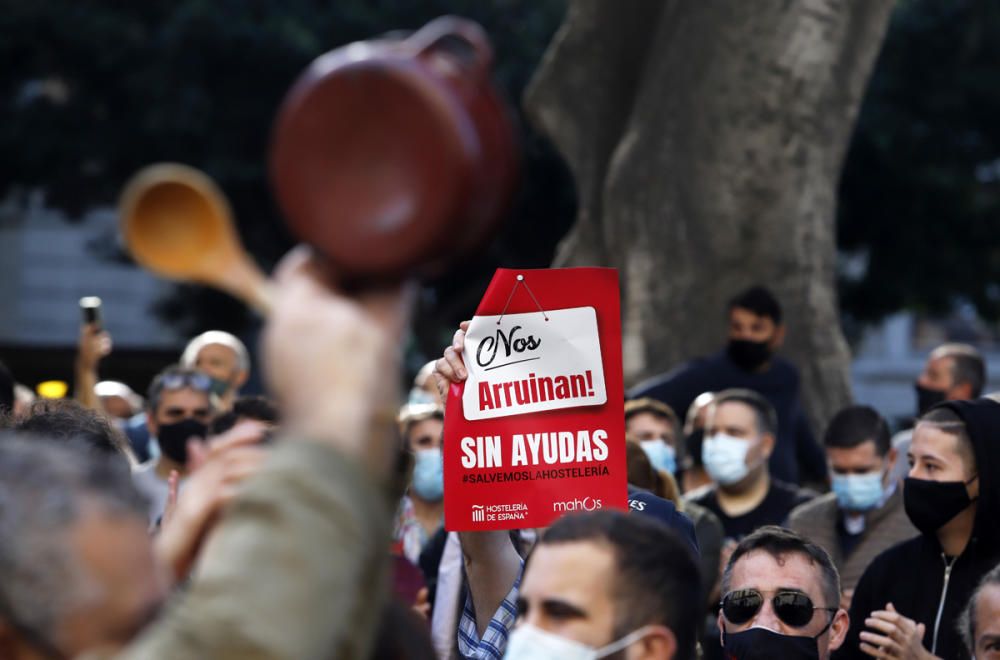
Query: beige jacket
(296,569)
(884,527)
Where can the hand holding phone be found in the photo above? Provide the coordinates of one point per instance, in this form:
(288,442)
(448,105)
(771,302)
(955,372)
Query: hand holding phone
(90,308)
(95,343)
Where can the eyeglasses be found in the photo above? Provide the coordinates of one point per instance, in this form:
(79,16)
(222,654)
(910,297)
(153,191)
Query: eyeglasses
(792,607)
(197,381)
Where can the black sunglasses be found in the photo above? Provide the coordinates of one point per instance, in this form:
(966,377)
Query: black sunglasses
(792,607)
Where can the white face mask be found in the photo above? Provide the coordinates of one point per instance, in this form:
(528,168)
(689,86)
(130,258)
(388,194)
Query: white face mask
(528,642)
(725,458)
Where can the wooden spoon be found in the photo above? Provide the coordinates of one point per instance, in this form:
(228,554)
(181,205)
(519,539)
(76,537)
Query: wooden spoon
(177,223)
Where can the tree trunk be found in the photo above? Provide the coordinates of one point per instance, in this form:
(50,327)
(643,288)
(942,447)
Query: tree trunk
(706,139)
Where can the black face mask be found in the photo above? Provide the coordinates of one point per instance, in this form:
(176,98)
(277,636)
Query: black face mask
(173,438)
(764,644)
(748,355)
(926,398)
(931,504)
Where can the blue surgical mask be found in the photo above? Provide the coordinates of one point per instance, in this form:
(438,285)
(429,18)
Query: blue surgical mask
(725,458)
(420,397)
(858,492)
(661,455)
(428,475)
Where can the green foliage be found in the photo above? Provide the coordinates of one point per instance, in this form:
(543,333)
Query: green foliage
(94,90)
(919,194)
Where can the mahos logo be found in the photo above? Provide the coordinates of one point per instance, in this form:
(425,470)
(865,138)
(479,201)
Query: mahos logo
(588,503)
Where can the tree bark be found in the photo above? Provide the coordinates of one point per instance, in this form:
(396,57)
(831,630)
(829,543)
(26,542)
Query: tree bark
(706,139)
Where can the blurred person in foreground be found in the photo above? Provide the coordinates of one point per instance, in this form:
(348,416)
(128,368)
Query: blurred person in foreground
(179,409)
(864,515)
(952,372)
(295,565)
(756,331)
(909,598)
(979,624)
(65,420)
(780,599)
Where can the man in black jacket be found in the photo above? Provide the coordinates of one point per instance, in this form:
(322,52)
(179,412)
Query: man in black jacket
(908,600)
(755,332)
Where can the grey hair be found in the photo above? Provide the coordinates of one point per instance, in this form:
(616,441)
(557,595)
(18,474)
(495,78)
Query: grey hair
(190,355)
(966,622)
(967,365)
(44,489)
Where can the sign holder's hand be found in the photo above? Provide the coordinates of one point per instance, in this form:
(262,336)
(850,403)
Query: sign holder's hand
(450,368)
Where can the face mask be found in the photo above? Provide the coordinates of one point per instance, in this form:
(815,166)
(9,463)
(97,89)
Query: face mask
(858,492)
(420,397)
(725,458)
(748,355)
(660,454)
(927,398)
(528,642)
(931,504)
(428,475)
(173,438)
(764,644)
(218,387)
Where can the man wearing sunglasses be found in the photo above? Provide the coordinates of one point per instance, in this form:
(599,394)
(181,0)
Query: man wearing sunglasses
(179,408)
(780,599)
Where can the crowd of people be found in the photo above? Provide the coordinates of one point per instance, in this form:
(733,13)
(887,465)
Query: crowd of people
(198,522)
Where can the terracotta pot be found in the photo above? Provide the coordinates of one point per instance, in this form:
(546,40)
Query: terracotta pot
(396,157)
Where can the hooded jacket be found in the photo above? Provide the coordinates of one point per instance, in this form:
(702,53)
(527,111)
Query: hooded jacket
(916,577)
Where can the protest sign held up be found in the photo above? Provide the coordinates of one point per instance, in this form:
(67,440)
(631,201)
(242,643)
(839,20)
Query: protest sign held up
(536,430)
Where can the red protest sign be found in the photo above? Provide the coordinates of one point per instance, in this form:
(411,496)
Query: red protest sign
(537,429)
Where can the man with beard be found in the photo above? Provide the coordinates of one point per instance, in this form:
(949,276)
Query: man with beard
(749,361)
